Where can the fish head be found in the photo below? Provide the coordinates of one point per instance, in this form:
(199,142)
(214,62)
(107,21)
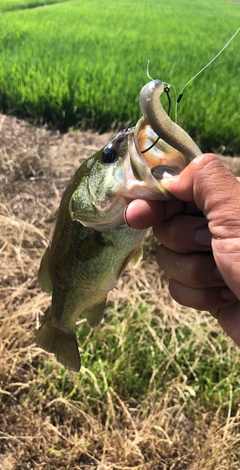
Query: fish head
(98,200)
(131,166)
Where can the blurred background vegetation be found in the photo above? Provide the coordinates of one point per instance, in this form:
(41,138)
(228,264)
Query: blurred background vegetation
(83,63)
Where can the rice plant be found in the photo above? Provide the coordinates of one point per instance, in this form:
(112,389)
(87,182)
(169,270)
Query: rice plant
(83,63)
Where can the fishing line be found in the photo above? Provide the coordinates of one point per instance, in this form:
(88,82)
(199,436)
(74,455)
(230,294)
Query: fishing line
(147,71)
(167,87)
(167,90)
(209,63)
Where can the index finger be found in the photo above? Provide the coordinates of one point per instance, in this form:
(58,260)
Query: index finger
(141,213)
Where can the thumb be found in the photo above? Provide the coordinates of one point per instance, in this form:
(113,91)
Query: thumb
(216,192)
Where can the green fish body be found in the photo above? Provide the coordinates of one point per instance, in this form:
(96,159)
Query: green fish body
(80,266)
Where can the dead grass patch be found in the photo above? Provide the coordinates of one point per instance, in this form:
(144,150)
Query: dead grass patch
(50,418)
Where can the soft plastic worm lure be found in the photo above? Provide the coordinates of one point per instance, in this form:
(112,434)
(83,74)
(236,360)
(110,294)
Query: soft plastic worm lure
(161,123)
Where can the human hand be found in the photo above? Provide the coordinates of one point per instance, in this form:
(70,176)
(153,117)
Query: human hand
(200,238)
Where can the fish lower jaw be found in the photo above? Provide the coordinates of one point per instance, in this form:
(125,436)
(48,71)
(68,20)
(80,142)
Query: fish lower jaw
(107,223)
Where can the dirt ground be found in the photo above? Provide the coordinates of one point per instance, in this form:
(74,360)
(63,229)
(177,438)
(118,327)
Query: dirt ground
(35,165)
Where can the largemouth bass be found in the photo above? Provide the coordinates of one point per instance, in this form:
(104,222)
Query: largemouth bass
(91,244)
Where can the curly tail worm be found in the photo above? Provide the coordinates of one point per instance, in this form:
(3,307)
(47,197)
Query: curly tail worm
(161,123)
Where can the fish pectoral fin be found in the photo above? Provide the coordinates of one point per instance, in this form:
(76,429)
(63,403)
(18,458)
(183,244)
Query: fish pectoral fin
(44,276)
(94,315)
(137,257)
(63,345)
(134,259)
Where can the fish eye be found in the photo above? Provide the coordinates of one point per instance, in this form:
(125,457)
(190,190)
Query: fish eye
(109,155)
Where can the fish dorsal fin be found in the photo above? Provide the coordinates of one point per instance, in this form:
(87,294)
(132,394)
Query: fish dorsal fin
(95,314)
(137,257)
(44,276)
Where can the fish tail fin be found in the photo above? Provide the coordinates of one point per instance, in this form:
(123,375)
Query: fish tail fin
(63,345)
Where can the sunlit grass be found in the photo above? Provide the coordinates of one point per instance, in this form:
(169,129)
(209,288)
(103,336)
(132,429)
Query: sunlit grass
(83,63)
(138,352)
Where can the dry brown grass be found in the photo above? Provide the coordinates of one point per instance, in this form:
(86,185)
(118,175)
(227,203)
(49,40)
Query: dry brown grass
(45,426)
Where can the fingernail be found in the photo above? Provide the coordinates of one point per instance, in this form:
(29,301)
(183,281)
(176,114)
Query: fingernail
(125,216)
(166,182)
(227,294)
(203,236)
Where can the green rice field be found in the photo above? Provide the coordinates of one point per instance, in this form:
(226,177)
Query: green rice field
(83,63)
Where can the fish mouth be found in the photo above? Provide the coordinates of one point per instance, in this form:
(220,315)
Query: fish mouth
(152,159)
(159,148)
